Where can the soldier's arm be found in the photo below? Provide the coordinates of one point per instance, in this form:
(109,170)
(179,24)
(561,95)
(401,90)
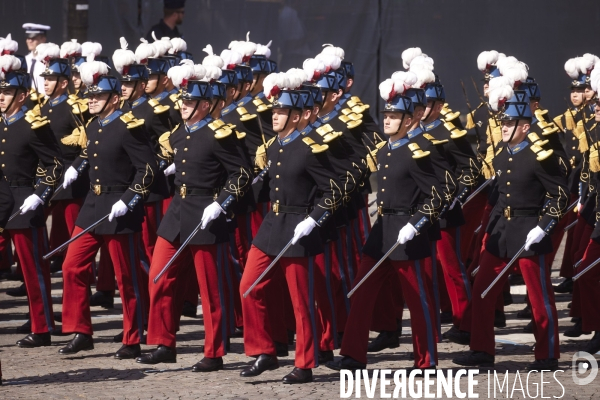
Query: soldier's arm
(230,154)
(550,175)
(43,143)
(423,173)
(137,146)
(320,169)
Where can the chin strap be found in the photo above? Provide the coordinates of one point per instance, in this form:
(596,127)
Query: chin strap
(400,126)
(512,135)
(195,108)
(430,111)
(12,101)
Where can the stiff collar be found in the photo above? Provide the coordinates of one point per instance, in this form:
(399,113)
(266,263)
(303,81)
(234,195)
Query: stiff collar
(198,124)
(228,109)
(415,132)
(244,100)
(14,118)
(58,100)
(344,99)
(161,96)
(328,117)
(174,91)
(398,143)
(432,125)
(139,101)
(289,138)
(518,147)
(307,129)
(110,118)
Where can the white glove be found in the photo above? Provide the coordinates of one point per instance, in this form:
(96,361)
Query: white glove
(406,233)
(71,175)
(304,228)
(454,203)
(31,203)
(118,210)
(534,236)
(170,170)
(211,212)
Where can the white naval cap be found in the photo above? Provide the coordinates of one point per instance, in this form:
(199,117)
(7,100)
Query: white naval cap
(32,29)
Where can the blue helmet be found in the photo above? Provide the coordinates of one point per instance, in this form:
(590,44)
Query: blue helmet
(290,99)
(399,104)
(329,82)
(340,73)
(197,90)
(244,73)
(23,62)
(229,77)
(219,90)
(434,91)
(158,66)
(272,66)
(184,55)
(57,67)
(135,72)
(16,80)
(259,64)
(172,60)
(315,91)
(581,82)
(532,88)
(76,63)
(517,107)
(491,72)
(348,68)
(417,96)
(105,84)
(307,98)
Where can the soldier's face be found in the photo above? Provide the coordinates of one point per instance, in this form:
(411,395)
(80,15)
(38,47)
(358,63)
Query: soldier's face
(433,110)
(51,83)
(486,88)
(152,84)
(281,117)
(97,102)
(520,129)
(392,122)
(577,96)
(129,89)
(10,98)
(589,94)
(188,106)
(76,79)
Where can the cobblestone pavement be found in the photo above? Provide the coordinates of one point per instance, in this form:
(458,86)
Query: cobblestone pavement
(42,373)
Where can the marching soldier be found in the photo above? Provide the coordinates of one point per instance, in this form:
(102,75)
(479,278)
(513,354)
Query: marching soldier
(297,168)
(122,168)
(409,200)
(26,142)
(532,196)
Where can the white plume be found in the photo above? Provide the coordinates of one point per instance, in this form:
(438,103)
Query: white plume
(422,61)
(574,67)
(314,68)
(274,83)
(9,45)
(264,50)
(330,61)
(517,73)
(486,59)
(387,90)
(409,54)
(180,74)
(177,45)
(161,47)
(144,51)
(70,48)
(499,93)
(8,63)
(586,64)
(408,79)
(424,76)
(246,49)
(88,48)
(90,70)
(595,79)
(211,73)
(499,82)
(331,49)
(212,59)
(46,51)
(296,77)
(231,58)
(122,57)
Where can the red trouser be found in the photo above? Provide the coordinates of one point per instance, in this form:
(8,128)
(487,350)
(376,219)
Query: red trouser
(153,216)
(64,214)
(258,338)
(212,267)
(455,273)
(30,245)
(131,279)
(416,288)
(6,252)
(243,237)
(479,242)
(105,281)
(473,212)
(587,289)
(566,267)
(479,316)
(257,216)
(583,240)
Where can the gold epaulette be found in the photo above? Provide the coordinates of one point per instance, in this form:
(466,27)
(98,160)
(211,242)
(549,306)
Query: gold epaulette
(222,130)
(260,105)
(417,152)
(314,147)
(158,108)
(33,95)
(244,114)
(350,118)
(558,122)
(261,154)
(447,113)
(77,138)
(31,116)
(540,153)
(174,97)
(455,132)
(494,132)
(548,128)
(327,133)
(372,156)
(131,121)
(471,117)
(433,140)
(165,144)
(594,161)
(79,107)
(238,134)
(355,104)
(579,132)
(535,139)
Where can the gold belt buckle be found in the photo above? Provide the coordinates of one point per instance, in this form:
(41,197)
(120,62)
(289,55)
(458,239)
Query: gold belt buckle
(380,210)
(182,191)
(507,213)
(97,190)
(275,208)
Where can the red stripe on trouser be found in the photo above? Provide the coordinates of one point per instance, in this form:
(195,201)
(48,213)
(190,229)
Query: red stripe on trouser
(479,240)
(583,239)
(422,321)
(162,326)
(64,214)
(257,216)
(105,281)
(473,212)
(455,281)
(29,245)
(258,337)
(150,226)
(587,289)
(479,316)
(389,305)
(123,251)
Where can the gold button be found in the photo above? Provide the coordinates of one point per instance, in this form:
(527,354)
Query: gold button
(99,130)
(3,165)
(281,150)
(183,173)
(508,172)
(97,180)
(96,142)
(277,176)
(96,167)
(389,154)
(382,203)
(278,163)
(573,147)
(183,161)
(573,138)
(2,153)
(510,159)
(187,137)
(508,183)
(5,129)
(277,189)
(383,190)
(50,110)
(4,140)
(386,166)
(95,155)
(507,194)
(185,149)
(384,178)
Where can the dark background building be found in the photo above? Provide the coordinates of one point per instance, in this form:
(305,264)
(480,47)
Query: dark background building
(542,33)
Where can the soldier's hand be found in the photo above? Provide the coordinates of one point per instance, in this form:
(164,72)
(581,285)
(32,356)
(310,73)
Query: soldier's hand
(406,233)
(534,236)
(71,175)
(31,203)
(170,170)
(304,228)
(118,210)
(211,212)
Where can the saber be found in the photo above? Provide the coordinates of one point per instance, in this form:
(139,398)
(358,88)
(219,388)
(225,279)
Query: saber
(506,268)
(14,215)
(478,190)
(475,271)
(570,225)
(74,238)
(373,202)
(266,271)
(178,252)
(385,256)
(478,229)
(577,264)
(592,265)
(57,191)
